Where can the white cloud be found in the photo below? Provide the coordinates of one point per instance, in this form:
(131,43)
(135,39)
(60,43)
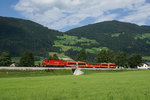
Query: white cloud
(139,16)
(58,14)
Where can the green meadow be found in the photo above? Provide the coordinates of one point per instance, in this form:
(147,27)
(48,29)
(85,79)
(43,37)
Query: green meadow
(62,85)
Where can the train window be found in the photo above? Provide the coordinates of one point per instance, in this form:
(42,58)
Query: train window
(81,64)
(112,65)
(104,65)
(72,63)
(94,64)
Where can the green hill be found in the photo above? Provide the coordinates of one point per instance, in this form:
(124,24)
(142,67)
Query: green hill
(116,35)
(18,35)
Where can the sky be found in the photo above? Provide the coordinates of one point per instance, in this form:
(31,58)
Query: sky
(63,15)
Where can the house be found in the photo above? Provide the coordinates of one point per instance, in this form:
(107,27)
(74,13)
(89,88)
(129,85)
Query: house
(145,65)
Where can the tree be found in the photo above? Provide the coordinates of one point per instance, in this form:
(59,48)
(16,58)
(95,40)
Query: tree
(55,57)
(82,56)
(50,58)
(134,60)
(5,59)
(121,59)
(105,56)
(27,59)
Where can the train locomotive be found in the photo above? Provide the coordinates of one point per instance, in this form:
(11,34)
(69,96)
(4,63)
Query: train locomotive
(61,63)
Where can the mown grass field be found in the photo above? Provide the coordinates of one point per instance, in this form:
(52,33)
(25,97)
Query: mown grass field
(61,85)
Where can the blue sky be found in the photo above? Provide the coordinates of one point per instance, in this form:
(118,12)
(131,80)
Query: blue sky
(67,14)
(6,8)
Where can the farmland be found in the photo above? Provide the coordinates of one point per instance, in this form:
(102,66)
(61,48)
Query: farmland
(62,85)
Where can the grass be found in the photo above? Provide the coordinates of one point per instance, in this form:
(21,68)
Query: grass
(61,55)
(31,73)
(95,50)
(67,42)
(115,35)
(142,36)
(146,58)
(72,40)
(93,85)
(148,42)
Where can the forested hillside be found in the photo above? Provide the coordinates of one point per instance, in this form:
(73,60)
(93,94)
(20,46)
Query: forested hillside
(18,35)
(71,45)
(116,35)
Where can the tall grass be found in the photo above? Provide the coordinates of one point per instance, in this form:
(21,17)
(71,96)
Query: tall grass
(93,85)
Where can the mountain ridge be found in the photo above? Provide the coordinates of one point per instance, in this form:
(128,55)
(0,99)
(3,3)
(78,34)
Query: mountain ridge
(18,35)
(117,36)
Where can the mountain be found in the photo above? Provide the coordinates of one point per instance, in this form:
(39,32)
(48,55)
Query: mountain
(18,35)
(115,35)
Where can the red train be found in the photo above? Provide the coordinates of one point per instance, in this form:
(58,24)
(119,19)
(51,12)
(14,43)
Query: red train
(61,63)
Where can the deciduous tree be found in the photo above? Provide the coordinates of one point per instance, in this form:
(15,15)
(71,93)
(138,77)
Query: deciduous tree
(121,59)
(105,56)
(82,56)
(55,57)
(5,59)
(27,59)
(134,60)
